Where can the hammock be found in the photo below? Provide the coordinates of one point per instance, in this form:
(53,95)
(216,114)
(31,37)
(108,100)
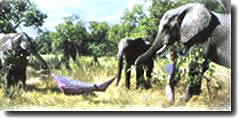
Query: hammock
(69,86)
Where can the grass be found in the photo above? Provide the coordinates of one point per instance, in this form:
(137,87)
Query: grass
(42,93)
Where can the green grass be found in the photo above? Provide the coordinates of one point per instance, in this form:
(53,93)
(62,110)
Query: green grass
(42,93)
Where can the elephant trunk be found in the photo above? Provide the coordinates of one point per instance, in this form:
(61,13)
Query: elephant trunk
(33,51)
(157,47)
(120,67)
(43,62)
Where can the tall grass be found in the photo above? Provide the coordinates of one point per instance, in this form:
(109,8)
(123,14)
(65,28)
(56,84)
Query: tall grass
(42,93)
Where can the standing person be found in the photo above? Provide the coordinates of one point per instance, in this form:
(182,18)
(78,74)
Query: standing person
(173,77)
(171,69)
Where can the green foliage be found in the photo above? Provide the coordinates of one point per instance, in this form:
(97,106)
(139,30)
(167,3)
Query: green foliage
(99,43)
(100,38)
(195,56)
(70,39)
(115,34)
(44,42)
(211,70)
(16,12)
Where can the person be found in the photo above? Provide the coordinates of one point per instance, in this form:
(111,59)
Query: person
(174,74)
(171,71)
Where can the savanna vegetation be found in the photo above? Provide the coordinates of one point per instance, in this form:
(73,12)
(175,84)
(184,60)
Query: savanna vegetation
(86,51)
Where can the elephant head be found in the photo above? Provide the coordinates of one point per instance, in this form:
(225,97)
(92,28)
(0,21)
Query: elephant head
(190,24)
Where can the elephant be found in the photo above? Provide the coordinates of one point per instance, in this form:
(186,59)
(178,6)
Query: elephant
(131,49)
(14,49)
(194,25)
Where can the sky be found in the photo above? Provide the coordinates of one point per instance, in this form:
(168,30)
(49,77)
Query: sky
(88,10)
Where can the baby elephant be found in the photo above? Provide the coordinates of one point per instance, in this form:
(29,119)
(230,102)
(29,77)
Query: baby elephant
(131,49)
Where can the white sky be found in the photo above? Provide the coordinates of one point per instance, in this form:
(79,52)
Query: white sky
(88,10)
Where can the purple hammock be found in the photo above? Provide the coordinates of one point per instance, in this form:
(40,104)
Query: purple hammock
(69,86)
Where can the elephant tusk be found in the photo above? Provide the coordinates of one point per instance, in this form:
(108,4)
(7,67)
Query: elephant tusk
(131,68)
(160,50)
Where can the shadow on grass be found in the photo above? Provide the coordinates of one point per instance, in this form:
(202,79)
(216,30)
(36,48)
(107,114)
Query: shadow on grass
(31,88)
(45,90)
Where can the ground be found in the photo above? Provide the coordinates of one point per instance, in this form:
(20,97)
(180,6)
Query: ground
(42,93)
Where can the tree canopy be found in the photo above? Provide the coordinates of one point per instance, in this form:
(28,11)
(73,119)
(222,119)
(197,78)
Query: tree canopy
(77,36)
(14,13)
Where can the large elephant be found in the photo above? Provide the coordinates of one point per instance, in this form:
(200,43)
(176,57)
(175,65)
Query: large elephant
(131,49)
(14,49)
(194,25)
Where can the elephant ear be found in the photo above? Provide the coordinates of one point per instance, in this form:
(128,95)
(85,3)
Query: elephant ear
(196,18)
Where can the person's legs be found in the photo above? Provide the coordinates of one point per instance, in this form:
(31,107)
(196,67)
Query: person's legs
(169,90)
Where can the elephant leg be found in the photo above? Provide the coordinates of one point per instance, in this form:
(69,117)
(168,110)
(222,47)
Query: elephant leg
(149,74)
(24,83)
(22,77)
(21,70)
(187,94)
(128,75)
(9,81)
(11,78)
(150,70)
(205,65)
(140,77)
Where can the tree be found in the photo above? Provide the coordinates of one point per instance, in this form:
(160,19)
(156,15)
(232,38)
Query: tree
(14,13)
(70,39)
(70,33)
(130,20)
(99,43)
(98,31)
(114,34)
